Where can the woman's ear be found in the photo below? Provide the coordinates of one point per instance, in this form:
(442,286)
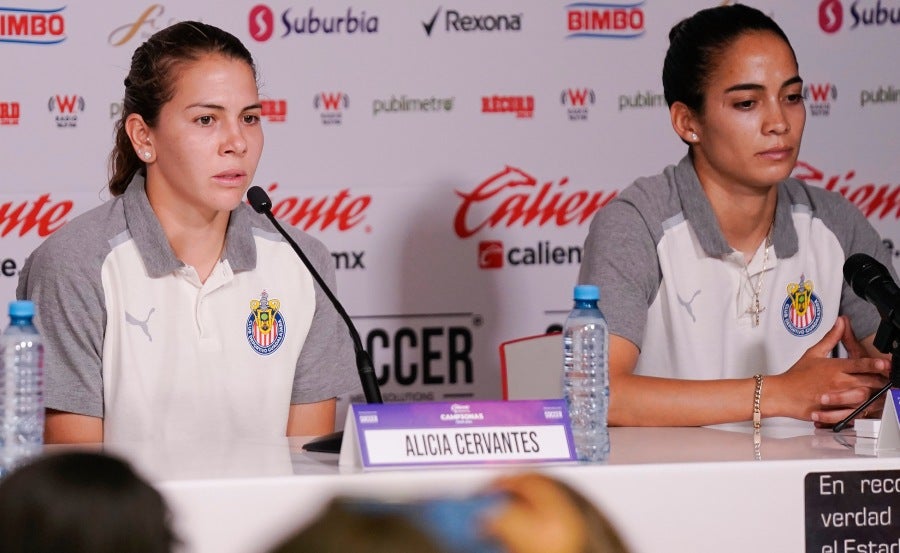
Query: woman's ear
(139,133)
(685,122)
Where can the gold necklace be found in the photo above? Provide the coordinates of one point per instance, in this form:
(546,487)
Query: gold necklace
(755,309)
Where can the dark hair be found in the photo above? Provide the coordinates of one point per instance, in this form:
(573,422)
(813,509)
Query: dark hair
(82,502)
(151,81)
(697,43)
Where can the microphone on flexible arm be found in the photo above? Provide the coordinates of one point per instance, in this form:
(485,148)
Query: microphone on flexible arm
(330,443)
(872,281)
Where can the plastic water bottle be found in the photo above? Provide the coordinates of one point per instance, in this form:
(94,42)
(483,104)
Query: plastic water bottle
(21,388)
(586,374)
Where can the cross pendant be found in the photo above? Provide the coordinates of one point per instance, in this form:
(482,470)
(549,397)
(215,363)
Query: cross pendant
(755,310)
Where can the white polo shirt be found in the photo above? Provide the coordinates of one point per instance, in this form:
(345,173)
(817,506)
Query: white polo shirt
(133,336)
(671,284)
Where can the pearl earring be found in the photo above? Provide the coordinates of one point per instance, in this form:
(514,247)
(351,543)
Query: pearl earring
(694,136)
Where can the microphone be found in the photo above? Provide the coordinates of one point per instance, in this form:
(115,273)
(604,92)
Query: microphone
(330,443)
(872,281)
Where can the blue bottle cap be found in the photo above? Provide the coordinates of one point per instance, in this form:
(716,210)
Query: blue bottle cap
(21,308)
(587,292)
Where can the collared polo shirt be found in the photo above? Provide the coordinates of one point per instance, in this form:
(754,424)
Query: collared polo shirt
(672,285)
(132,335)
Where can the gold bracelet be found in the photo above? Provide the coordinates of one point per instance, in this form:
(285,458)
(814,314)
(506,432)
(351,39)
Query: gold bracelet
(757,394)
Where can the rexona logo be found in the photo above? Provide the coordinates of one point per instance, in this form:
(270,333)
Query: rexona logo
(455,22)
(342,212)
(332,106)
(876,201)
(274,111)
(66,109)
(262,23)
(43,215)
(577,102)
(819,97)
(147,23)
(615,19)
(9,113)
(31,26)
(492,254)
(862,12)
(881,95)
(403,104)
(513,197)
(522,106)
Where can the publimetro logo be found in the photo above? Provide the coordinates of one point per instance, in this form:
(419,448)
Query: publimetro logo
(612,19)
(32,26)
(9,113)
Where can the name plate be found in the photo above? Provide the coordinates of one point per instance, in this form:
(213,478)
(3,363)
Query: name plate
(456,433)
(889,434)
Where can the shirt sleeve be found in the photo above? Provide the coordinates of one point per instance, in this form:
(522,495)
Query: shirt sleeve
(326,367)
(620,257)
(59,277)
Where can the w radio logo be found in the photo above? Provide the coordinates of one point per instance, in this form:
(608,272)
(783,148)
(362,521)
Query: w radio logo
(577,101)
(819,97)
(331,105)
(66,109)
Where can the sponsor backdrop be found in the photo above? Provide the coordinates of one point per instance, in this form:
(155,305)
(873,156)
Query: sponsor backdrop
(449,154)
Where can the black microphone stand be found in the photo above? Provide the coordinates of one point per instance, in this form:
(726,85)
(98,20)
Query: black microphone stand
(887,340)
(329,443)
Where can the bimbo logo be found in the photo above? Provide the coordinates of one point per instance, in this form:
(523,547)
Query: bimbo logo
(819,97)
(32,26)
(9,113)
(66,108)
(331,104)
(874,200)
(514,197)
(274,111)
(615,19)
(862,12)
(577,100)
(343,211)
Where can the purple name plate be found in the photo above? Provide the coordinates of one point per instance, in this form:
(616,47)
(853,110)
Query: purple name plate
(889,433)
(457,433)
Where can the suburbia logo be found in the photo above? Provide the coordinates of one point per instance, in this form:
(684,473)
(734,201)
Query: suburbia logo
(456,22)
(865,13)
(615,19)
(522,106)
(9,113)
(66,109)
(274,111)
(576,101)
(31,26)
(147,23)
(342,211)
(262,23)
(332,106)
(876,201)
(513,197)
(819,97)
(43,215)
(492,254)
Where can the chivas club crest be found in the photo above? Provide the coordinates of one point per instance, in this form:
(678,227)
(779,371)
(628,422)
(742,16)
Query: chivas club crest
(802,310)
(265,326)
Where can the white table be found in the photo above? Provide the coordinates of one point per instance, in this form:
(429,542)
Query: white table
(667,489)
